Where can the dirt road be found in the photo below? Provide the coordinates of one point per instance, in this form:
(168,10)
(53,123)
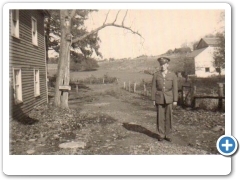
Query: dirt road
(104,119)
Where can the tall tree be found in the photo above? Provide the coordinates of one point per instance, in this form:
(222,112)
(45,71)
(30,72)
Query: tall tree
(219,52)
(53,33)
(73,35)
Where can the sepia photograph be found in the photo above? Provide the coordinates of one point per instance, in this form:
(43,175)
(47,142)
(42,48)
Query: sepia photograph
(116,81)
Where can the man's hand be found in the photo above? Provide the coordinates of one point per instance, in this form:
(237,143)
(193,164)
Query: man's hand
(154,103)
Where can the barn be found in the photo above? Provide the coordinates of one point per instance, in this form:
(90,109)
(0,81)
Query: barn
(200,62)
(27,61)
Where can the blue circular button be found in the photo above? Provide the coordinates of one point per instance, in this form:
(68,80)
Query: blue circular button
(227,145)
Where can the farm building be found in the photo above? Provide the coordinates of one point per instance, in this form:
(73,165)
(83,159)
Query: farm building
(27,61)
(200,62)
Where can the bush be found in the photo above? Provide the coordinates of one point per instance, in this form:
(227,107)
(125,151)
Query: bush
(83,64)
(96,80)
(91,64)
(75,66)
(108,79)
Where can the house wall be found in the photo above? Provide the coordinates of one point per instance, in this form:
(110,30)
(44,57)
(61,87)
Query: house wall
(25,55)
(205,60)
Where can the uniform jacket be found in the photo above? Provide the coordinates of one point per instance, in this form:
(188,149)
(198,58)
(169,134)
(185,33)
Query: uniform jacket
(164,88)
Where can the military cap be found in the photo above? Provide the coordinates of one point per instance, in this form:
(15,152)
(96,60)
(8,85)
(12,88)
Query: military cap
(163,60)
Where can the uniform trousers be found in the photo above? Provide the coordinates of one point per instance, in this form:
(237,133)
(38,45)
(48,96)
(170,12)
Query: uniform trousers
(164,119)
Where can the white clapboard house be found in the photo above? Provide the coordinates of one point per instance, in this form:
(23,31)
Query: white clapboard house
(200,62)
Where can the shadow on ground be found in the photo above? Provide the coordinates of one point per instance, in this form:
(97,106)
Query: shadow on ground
(140,129)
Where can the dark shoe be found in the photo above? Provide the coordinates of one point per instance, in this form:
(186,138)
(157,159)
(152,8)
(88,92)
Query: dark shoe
(168,139)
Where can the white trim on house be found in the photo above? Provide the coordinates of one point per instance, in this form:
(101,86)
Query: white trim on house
(15,23)
(36,75)
(34,31)
(17,85)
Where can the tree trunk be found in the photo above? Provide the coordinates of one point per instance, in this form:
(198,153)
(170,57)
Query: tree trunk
(63,76)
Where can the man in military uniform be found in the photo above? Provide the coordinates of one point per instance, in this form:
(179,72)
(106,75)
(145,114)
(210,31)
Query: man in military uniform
(164,96)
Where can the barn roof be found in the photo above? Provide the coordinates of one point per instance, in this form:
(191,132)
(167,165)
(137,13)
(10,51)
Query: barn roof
(206,42)
(211,41)
(195,53)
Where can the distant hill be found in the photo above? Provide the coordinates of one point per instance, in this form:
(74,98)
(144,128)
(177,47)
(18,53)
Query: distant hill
(142,64)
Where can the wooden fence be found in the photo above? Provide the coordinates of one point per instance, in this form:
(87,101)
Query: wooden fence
(220,96)
(134,88)
(187,93)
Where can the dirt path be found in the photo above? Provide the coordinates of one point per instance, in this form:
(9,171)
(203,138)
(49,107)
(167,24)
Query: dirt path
(109,120)
(133,126)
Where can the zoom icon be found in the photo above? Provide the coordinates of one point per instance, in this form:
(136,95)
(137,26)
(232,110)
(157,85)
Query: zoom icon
(227,145)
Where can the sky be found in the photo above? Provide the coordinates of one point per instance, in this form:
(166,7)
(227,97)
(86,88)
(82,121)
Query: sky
(161,30)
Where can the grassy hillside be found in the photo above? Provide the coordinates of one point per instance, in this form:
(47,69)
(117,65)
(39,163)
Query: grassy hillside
(125,70)
(143,63)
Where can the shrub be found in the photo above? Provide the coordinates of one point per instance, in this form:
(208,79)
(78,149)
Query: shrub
(95,80)
(80,63)
(108,79)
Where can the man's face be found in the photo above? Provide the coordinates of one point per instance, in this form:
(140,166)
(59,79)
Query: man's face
(164,67)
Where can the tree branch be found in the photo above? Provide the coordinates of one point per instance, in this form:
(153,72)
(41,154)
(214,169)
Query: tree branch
(103,26)
(116,17)
(124,18)
(106,17)
(107,25)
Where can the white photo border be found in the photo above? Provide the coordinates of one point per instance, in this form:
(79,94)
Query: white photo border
(111,164)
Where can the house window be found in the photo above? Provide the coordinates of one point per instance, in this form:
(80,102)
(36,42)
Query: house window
(207,69)
(15,23)
(17,85)
(36,83)
(34,31)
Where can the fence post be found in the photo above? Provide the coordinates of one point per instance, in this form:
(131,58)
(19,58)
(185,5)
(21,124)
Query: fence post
(124,85)
(220,95)
(194,89)
(144,89)
(134,90)
(129,86)
(77,88)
